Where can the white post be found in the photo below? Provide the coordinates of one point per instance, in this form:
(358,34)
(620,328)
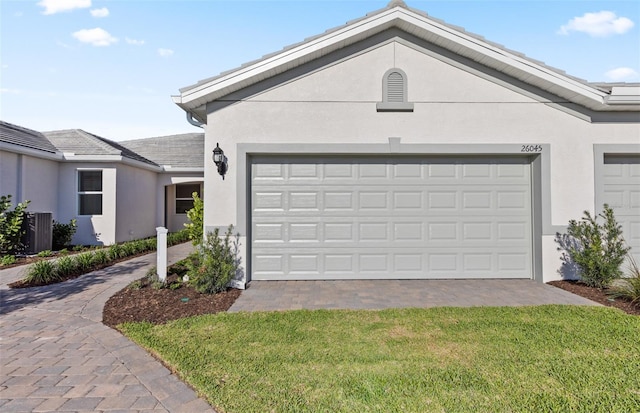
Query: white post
(161,253)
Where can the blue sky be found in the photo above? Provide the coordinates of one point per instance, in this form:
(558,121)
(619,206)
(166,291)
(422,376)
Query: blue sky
(110,66)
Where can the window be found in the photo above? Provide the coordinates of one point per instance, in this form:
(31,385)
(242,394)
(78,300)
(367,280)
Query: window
(89,192)
(184,197)
(394,92)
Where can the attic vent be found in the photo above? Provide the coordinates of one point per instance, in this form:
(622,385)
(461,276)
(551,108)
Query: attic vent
(395,87)
(394,92)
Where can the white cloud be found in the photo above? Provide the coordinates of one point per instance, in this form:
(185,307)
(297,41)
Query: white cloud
(11,91)
(95,37)
(134,41)
(103,12)
(57,6)
(601,24)
(621,74)
(165,52)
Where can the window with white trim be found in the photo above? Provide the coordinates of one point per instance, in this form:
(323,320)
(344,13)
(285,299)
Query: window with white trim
(90,192)
(184,197)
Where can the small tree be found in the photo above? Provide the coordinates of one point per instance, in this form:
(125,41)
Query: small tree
(11,231)
(63,233)
(597,249)
(214,263)
(196,220)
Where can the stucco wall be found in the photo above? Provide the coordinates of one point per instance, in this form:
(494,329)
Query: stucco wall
(135,203)
(452,105)
(93,229)
(26,177)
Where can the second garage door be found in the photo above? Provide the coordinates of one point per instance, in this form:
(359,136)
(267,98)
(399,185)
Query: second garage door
(376,217)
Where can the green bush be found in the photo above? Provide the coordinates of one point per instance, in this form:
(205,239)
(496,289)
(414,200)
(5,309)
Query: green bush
(628,287)
(84,261)
(177,237)
(195,225)
(116,252)
(7,260)
(44,254)
(65,265)
(214,264)
(42,272)
(597,249)
(11,225)
(101,257)
(62,234)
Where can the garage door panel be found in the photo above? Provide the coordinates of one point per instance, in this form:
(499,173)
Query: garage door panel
(621,190)
(378,218)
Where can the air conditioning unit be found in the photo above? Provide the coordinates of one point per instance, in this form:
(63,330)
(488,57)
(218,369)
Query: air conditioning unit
(38,235)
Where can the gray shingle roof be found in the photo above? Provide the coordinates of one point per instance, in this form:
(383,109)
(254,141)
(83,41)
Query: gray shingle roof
(178,151)
(27,138)
(80,142)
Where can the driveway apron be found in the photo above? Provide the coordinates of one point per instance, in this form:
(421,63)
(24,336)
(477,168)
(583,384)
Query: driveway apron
(56,355)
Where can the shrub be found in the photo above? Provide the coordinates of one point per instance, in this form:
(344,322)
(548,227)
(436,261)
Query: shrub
(42,272)
(84,260)
(8,260)
(45,253)
(629,287)
(597,249)
(116,251)
(214,264)
(178,237)
(65,265)
(100,257)
(11,225)
(195,224)
(63,233)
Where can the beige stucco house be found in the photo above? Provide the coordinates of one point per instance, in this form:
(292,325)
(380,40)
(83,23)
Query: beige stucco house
(117,191)
(398,146)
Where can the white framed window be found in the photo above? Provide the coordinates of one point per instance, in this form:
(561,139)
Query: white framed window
(90,192)
(184,197)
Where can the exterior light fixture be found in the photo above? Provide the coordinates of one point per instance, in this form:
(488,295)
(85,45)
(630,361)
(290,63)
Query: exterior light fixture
(220,160)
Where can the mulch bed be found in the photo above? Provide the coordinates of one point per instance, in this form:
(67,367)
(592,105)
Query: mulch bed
(144,302)
(597,295)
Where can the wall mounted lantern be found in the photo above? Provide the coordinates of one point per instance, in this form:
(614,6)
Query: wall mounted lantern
(220,160)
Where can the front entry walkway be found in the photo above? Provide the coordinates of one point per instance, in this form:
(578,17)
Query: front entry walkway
(380,294)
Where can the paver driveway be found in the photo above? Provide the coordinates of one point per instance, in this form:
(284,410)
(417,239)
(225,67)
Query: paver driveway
(57,356)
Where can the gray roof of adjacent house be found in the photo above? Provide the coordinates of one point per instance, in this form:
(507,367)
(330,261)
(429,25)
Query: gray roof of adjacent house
(79,142)
(28,138)
(178,151)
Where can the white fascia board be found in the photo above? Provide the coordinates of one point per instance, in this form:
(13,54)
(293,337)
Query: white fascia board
(36,153)
(111,159)
(624,95)
(458,41)
(170,169)
(185,179)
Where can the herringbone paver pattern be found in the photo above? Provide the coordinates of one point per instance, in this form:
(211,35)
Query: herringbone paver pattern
(57,356)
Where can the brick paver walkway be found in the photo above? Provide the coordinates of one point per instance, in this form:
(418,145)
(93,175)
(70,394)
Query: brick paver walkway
(57,356)
(380,294)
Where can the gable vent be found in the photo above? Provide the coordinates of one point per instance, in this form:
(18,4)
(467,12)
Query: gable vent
(394,92)
(395,87)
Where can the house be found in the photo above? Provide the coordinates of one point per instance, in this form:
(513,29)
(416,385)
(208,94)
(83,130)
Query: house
(398,146)
(116,191)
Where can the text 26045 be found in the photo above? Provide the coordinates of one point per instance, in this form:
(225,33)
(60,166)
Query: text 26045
(531,148)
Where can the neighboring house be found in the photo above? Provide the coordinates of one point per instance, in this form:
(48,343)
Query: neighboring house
(116,192)
(398,146)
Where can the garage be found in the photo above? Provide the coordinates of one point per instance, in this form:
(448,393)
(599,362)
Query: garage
(390,217)
(621,190)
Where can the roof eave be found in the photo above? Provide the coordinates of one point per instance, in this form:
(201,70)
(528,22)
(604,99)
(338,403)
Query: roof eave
(419,25)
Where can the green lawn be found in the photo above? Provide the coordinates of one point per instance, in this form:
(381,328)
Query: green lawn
(498,359)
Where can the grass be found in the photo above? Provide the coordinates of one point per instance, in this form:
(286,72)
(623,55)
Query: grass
(499,359)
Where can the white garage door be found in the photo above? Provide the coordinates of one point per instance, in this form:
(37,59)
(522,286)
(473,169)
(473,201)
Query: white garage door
(375,217)
(622,192)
